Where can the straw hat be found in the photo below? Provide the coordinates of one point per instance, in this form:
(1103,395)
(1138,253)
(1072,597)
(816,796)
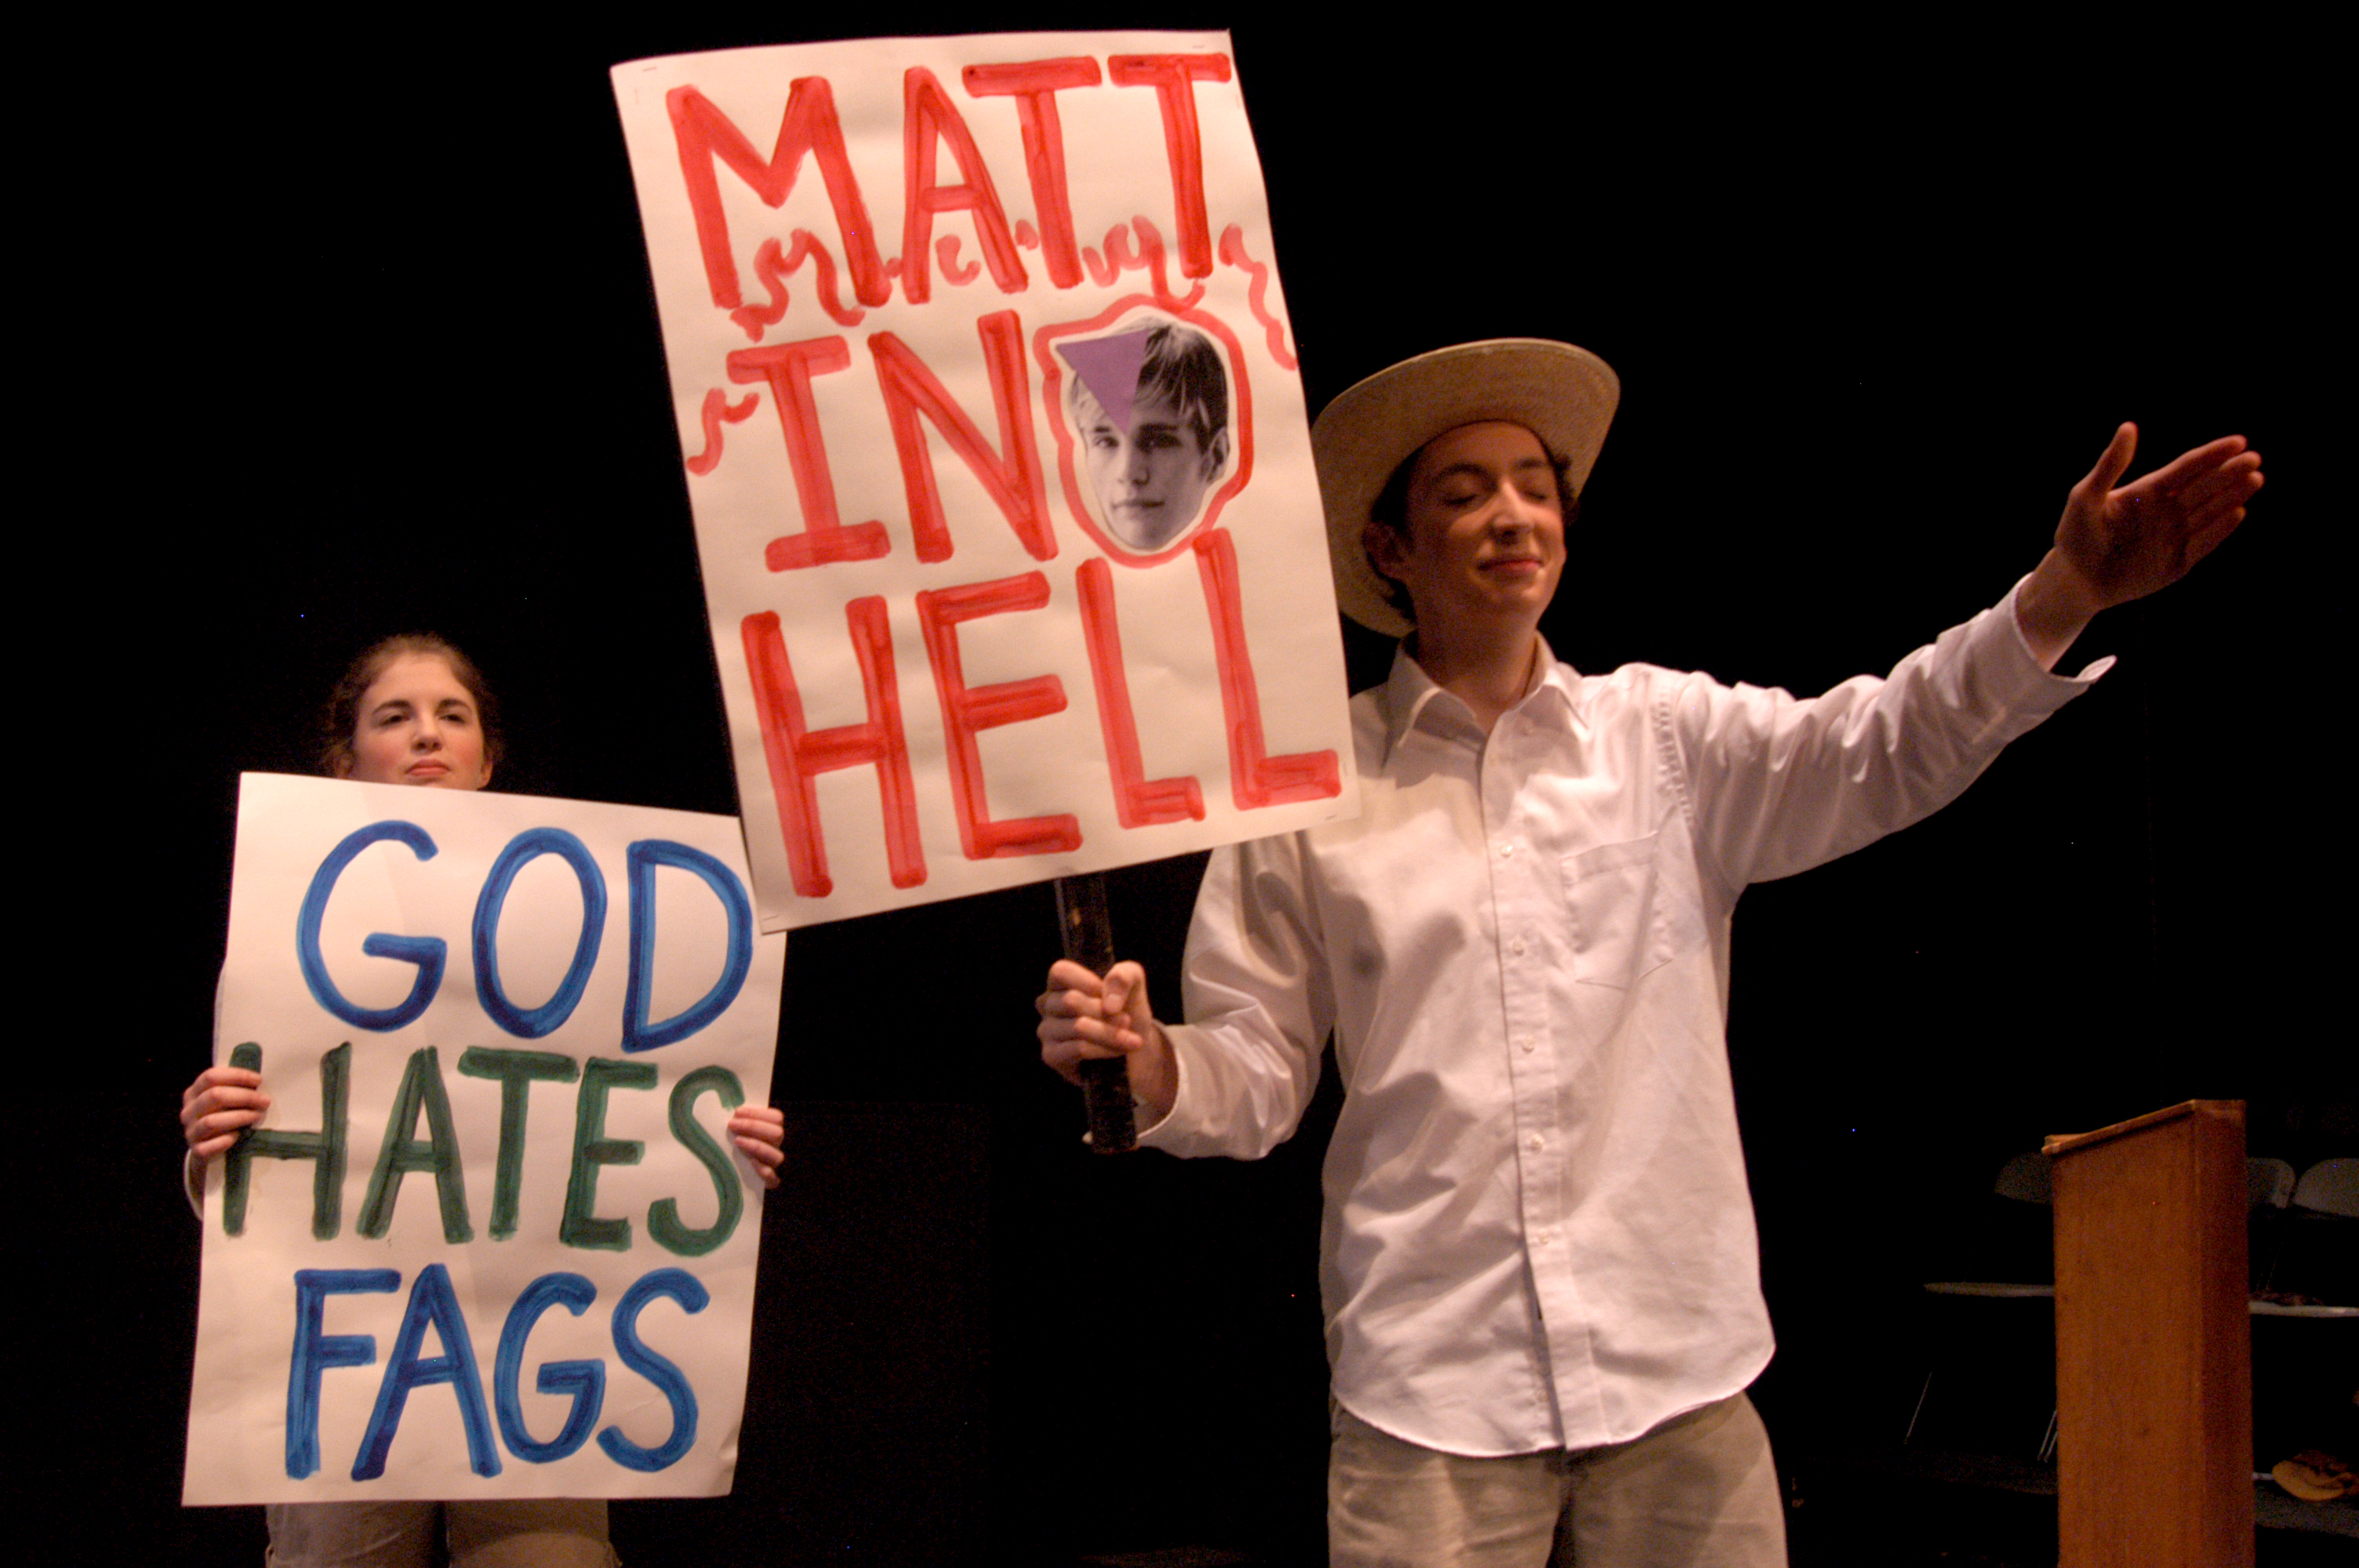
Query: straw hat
(1563,395)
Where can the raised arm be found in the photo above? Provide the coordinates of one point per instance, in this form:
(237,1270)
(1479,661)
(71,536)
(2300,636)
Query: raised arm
(2116,545)
(1083,1016)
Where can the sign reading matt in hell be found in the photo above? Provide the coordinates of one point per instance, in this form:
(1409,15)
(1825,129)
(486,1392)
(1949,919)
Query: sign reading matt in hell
(997,454)
(492,1239)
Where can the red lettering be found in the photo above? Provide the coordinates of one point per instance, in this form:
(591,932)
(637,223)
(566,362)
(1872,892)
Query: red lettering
(797,756)
(946,256)
(716,411)
(1172,75)
(966,712)
(929,118)
(1256,778)
(787,369)
(1034,85)
(704,135)
(1138,801)
(1013,479)
(772,266)
(1147,256)
(1233,252)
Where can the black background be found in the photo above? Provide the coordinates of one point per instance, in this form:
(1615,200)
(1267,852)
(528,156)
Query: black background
(360,340)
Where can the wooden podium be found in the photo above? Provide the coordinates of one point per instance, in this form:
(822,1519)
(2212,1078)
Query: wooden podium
(2154,1374)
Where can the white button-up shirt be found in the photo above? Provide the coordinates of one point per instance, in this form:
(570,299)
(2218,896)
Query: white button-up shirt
(1537,1231)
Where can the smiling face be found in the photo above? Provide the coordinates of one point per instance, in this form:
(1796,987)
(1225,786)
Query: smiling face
(1483,539)
(418,724)
(1150,477)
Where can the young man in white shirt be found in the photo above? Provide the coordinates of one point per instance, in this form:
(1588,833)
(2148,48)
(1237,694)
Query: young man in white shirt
(1538,1262)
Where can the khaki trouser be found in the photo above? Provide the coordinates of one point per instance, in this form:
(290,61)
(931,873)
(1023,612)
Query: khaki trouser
(1698,1491)
(536,1532)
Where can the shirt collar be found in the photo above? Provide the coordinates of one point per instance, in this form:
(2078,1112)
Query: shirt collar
(1411,696)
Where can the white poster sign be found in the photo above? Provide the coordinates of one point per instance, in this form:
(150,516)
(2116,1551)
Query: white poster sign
(997,454)
(491,1238)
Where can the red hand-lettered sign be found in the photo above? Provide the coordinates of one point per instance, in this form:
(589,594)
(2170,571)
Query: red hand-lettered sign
(990,421)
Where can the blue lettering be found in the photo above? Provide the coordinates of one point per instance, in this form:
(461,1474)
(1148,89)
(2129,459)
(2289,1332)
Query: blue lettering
(531,1023)
(644,856)
(585,1381)
(431,1301)
(427,953)
(315,1352)
(686,1289)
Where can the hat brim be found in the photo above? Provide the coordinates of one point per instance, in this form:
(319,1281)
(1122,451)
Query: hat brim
(1563,395)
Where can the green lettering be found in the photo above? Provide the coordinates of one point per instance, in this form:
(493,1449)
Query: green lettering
(591,1149)
(516,1072)
(663,1219)
(324,1149)
(403,1152)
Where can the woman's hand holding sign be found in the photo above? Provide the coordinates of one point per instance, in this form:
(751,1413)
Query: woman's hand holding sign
(222,1103)
(760,1133)
(1083,1018)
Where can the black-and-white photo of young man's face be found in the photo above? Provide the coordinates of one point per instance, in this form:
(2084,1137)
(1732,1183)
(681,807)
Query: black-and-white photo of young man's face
(1150,408)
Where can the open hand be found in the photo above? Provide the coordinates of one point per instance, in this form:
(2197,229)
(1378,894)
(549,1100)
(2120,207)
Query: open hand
(2125,543)
(2116,545)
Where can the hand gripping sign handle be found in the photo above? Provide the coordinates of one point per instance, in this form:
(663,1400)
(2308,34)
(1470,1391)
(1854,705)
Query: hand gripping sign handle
(1088,942)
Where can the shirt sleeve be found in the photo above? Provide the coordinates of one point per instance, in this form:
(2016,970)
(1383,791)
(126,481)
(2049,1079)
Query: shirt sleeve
(1777,784)
(1258,1002)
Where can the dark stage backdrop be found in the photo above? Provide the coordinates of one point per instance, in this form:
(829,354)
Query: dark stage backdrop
(1877,299)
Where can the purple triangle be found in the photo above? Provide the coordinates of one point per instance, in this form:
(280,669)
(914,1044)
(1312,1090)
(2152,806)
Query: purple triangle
(1109,368)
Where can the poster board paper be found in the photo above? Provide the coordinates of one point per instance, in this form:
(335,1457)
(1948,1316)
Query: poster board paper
(1000,592)
(527,1270)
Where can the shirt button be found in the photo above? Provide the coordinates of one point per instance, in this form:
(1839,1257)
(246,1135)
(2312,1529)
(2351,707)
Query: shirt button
(1517,946)
(1506,851)
(1537,1144)
(1542,1237)
(1524,1043)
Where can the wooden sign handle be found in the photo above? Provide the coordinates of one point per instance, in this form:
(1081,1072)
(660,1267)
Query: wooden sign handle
(1088,942)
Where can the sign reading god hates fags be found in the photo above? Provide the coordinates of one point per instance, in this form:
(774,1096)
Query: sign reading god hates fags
(491,1238)
(997,454)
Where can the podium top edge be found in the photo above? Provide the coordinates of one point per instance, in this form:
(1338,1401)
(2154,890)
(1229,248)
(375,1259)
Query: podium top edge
(2217,1109)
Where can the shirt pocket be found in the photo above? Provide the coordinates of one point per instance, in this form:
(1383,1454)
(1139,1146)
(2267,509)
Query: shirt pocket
(1632,911)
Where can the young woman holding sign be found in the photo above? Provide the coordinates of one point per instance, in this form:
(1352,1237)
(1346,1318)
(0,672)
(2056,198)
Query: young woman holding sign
(414,710)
